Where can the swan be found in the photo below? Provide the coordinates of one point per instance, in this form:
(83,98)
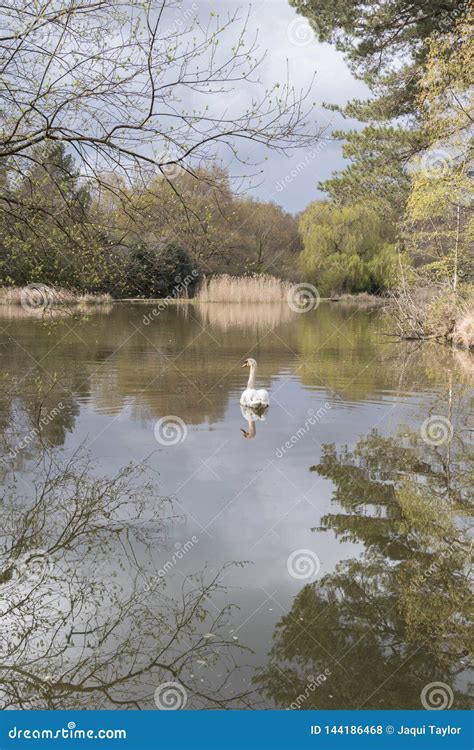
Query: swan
(252,397)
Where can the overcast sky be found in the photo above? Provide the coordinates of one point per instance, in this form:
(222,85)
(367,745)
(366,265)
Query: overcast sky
(289,40)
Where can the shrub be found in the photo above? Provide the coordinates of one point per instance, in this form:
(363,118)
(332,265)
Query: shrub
(156,270)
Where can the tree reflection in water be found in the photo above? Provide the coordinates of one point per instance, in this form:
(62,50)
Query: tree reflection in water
(399,616)
(85,621)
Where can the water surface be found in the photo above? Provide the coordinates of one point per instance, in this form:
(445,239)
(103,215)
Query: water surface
(320,563)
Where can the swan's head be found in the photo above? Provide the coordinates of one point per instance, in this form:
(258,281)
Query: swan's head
(249,363)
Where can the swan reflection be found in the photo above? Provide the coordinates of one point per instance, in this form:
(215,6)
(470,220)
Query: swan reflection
(251,415)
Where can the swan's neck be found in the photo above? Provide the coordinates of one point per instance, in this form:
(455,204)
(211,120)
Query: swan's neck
(253,372)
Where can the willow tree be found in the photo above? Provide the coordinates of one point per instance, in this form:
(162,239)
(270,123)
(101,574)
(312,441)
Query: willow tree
(347,248)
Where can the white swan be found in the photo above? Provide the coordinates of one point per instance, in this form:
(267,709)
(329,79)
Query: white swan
(252,397)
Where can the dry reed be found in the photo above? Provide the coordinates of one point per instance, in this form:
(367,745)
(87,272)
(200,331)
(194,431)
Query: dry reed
(463,333)
(261,288)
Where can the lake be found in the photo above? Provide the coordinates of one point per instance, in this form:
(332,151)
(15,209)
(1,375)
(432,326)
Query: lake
(161,548)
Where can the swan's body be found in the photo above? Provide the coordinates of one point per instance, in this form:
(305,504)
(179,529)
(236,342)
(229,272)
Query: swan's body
(255,398)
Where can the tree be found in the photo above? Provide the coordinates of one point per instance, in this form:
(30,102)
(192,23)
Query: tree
(265,239)
(439,209)
(155,270)
(119,99)
(347,249)
(158,210)
(50,233)
(384,44)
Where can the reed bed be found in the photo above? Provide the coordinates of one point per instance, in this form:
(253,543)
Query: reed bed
(249,289)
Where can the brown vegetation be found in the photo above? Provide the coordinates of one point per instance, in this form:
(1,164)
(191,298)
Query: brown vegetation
(40,297)
(434,311)
(258,288)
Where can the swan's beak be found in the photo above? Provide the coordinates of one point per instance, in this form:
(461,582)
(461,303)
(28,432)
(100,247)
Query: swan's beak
(244,365)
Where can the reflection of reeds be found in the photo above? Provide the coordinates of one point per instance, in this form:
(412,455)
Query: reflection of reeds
(246,316)
(251,289)
(54,297)
(13,311)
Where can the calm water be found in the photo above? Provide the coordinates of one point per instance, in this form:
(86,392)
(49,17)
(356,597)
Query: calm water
(319,561)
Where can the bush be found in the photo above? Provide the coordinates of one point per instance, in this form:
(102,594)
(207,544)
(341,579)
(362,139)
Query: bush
(156,270)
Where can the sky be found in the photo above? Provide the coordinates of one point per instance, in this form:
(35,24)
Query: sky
(291,180)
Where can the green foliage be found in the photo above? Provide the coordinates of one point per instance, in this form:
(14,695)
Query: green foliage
(440,224)
(50,234)
(406,503)
(156,270)
(347,249)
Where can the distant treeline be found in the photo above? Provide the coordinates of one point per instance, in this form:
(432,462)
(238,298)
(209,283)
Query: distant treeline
(134,239)
(399,214)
